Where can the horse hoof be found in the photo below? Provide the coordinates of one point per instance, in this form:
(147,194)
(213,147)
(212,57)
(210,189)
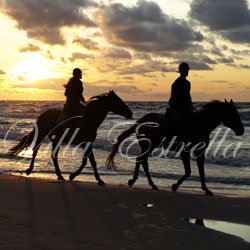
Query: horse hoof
(154,187)
(174,187)
(101,183)
(131,183)
(72,177)
(28,171)
(209,193)
(60,178)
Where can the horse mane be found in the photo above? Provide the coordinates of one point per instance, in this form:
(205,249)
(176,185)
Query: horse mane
(99,97)
(211,104)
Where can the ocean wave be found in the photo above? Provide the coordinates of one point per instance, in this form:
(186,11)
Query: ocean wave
(19,116)
(234,162)
(27,112)
(106,145)
(3,122)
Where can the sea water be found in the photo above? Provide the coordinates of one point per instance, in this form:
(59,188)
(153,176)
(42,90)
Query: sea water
(225,169)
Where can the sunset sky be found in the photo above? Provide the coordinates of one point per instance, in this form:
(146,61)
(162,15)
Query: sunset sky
(132,47)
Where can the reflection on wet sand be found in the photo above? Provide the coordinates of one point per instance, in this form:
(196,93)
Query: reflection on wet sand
(241,230)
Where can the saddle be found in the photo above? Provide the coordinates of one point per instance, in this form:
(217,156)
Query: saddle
(66,120)
(178,123)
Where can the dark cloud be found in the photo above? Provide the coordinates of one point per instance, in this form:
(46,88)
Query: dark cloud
(196,61)
(207,59)
(145,27)
(118,53)
(48,55)
(91,89)
(228,60)
(241,35)
(78,55)
(196,65)
(230,18)
(129,78)
(143,56)
(108,66)
(87,43)
(63,60)
(199,66)
(216,51)
(190,55)
(30,48)
(147,67)
(2,72)
(240,52)
(244,66)
(42,19)
(239,66)
(97,34)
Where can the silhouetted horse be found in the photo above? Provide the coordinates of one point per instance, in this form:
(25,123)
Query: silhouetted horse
(193,134)
(94,114)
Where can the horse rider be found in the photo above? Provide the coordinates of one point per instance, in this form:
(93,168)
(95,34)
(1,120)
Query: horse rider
(180,102)
(74,93)
(75,102)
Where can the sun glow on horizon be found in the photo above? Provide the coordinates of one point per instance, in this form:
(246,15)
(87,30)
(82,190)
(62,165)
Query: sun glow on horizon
(133,47)
(33,68)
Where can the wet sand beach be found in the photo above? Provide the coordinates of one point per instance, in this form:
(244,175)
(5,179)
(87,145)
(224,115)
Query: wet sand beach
(47,214)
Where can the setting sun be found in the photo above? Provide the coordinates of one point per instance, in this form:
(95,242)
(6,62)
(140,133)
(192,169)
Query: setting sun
(137,56)
(34,68)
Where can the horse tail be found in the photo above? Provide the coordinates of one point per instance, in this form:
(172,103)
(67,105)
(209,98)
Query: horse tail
(151,117)
(110,160)
(23,144)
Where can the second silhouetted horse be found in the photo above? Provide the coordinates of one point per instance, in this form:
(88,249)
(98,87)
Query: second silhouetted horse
(151,129)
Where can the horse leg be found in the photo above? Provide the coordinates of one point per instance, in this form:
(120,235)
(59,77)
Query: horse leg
(34,154)
(139,160)
(54,156)
(131,182)
(146,170)
(185,157)
(200,162)
(146,149)
(29,170)
(72,176)
(94,166)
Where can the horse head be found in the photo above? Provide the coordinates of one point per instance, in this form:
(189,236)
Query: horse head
(231,118)
(118,106)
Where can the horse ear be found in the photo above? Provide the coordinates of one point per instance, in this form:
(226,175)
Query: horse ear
(231,101)
(226,100)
